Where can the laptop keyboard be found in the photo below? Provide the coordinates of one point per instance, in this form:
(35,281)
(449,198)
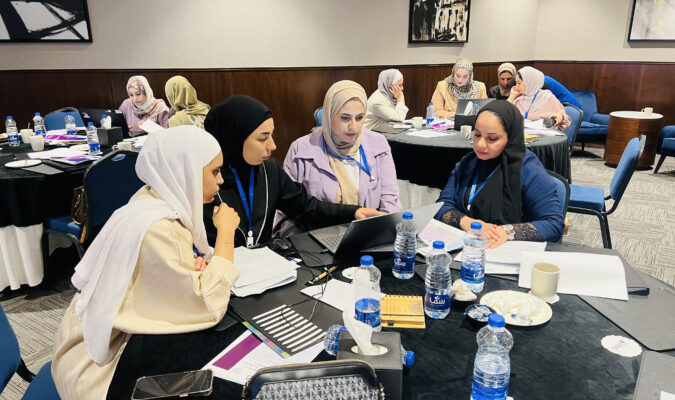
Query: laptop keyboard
(331,242)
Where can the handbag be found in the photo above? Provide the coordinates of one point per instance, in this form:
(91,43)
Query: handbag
(78,208)
(348,379)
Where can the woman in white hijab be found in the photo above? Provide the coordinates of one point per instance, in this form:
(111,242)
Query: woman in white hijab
(387,103)
(142,106)
(139,275)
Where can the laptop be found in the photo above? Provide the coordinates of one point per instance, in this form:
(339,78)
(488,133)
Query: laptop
(116,118)
(464,107)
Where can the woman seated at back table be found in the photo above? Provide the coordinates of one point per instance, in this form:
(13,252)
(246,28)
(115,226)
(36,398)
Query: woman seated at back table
(387,103)
(533,102)
(502,184)
(340,161)
(505,74)
(255,185)
(459,85)
(186,109)
(142,106)
(139,275)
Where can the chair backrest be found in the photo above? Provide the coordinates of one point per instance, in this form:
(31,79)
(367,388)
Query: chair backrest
(562,190)
(108,185)
(318,116)
(588,102)
(560,91)
(624,171)
(9,348)
(576,115)
(56,119)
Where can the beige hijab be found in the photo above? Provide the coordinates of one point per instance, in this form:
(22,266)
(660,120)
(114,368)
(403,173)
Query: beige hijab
(183,98)
(336,97)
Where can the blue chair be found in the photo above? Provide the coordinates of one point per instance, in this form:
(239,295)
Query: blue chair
(41,386)
(56,119)
(594,125)
(563,192)
(665,145)
(591,199)
(109,183)
(576,115)
(560,91)
(318,116)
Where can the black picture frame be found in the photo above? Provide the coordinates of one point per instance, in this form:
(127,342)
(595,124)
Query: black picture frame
(645,13)
(424,25)
(45,21)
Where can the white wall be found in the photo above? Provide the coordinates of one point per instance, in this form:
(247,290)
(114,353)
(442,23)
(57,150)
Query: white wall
(131,34)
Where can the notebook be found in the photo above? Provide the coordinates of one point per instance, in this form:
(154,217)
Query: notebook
(402,312)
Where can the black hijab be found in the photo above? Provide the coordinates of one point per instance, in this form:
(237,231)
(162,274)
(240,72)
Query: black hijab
(500,202)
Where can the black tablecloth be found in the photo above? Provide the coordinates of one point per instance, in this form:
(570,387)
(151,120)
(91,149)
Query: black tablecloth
(562,359)
(429,161)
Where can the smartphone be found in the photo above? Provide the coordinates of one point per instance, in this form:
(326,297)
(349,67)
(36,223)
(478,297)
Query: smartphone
(178,385)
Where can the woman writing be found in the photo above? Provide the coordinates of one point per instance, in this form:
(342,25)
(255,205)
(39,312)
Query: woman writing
(533,102)
(255,185)
(459,85)
(142,106)
(505,74)
(139,275)
(186,108)
(387,103)
(339,161)
(502,184)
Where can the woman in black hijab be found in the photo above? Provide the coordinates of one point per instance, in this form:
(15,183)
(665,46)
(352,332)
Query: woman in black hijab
(502,184)
(255,184)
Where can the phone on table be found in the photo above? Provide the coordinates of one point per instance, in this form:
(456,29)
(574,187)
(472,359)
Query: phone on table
(177,385)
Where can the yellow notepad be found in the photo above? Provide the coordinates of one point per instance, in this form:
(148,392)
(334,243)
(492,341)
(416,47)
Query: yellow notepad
(402,312)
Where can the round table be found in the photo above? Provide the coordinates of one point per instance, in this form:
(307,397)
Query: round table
(626,125)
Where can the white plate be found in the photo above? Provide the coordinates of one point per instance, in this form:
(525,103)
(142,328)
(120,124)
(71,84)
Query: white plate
(82,147)
(23,163)
(536,310)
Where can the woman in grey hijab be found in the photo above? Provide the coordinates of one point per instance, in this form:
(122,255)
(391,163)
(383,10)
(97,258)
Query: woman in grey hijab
(387,103)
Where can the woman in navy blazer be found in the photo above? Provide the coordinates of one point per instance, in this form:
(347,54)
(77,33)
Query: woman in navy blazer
(502,184)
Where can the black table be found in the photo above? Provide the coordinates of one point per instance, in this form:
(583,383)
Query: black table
(429,161)
(563,359)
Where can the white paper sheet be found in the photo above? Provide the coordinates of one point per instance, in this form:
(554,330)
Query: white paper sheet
(667,396)
(260,357)
(595,275)
(543,132)
(151,126)
(59,152)
(425,133)
(505,259)
(261,269)
(437,230)
(336,294)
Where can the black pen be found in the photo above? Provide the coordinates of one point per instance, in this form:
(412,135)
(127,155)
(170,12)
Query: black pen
(638,290)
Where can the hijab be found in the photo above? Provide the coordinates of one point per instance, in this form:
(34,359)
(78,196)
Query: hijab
(534,80)
(183,98)
(500,200)
(510,68)
(152,106)
(337,96)
(385,81)
(171,164)
(471,89)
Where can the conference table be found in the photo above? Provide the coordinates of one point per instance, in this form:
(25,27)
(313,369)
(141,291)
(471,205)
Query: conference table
(562,359)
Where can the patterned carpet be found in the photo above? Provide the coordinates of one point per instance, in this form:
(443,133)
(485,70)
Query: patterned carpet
(642,231)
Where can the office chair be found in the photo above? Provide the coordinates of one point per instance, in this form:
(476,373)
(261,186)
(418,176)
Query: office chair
(56,119)
(594,125)
(318,116)
(577,116)
(666,145)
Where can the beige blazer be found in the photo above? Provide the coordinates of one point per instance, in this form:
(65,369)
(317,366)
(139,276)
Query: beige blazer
(445,103)
(380,111)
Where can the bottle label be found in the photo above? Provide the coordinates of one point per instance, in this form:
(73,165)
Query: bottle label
(94,147)
(404,265)
(472,272)
(368,311)
(39,132)
(436,301)
(482,392)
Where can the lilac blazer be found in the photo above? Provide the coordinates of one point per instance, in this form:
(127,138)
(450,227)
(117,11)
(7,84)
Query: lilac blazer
(306,162)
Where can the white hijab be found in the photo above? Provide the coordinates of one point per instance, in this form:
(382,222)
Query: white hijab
(171,163)
(386,79)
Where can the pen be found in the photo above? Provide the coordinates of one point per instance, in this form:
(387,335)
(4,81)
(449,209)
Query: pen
(318,278)
(638,290)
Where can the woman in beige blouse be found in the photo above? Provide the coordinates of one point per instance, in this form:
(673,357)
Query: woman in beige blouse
(459,85)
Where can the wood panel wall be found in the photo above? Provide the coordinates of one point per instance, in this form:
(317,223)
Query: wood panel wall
(294,93)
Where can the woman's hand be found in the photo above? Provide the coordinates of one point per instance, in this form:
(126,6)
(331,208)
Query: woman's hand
(514,94)
(397,92)
(558,118)
(200,263)
(225,219)
(491,231)
(362,213)
(496,236)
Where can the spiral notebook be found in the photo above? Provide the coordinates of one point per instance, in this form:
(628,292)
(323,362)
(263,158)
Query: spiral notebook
(402,312)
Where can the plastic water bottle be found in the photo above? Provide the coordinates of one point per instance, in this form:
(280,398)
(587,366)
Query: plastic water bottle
(474,108)
(92,139)
(437,283)
(407,357)
(405,247)
(332,339)
(431,114)
(105,121)
(12,132)
(473,258)
(492,366)
(39,125)
(367,293)
(71,129)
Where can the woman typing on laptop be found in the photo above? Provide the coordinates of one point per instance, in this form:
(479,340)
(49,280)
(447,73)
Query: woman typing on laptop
(459,85)
(502,184)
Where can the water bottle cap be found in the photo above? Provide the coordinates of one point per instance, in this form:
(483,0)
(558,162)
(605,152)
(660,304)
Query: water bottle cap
(496,320)
(475,102)
(439,244)
(9,117)
(103,115)
(37,114)
(431,104)
(366,260)
(69,113)
(407,215)
(476,225)
(409,358)
(90,124)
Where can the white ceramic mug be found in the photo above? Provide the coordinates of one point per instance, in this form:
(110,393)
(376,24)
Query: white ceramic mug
(37,143)
(122,146)
(417,122)
(648,110)
(466,131)
(545,281)
(26,134)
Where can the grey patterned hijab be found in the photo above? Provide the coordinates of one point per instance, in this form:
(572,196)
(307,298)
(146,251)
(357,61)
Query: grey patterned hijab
(471,89)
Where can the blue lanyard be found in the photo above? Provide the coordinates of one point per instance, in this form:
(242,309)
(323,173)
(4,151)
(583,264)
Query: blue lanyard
(247,209)
(194,249)
(365,167)
(474,192)
(532,102)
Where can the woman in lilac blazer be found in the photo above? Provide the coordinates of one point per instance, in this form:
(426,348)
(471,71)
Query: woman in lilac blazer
(340,161)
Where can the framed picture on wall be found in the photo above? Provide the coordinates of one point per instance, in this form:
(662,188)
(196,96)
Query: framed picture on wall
(439,21)
(652,21)
(44,21)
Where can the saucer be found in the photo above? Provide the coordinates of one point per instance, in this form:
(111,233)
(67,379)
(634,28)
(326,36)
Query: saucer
(23,163)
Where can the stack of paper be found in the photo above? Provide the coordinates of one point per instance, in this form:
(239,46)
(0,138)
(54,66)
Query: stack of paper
(59,152)
(425,133)
(261,269)
(337,294)
(437,230)
(506,259)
